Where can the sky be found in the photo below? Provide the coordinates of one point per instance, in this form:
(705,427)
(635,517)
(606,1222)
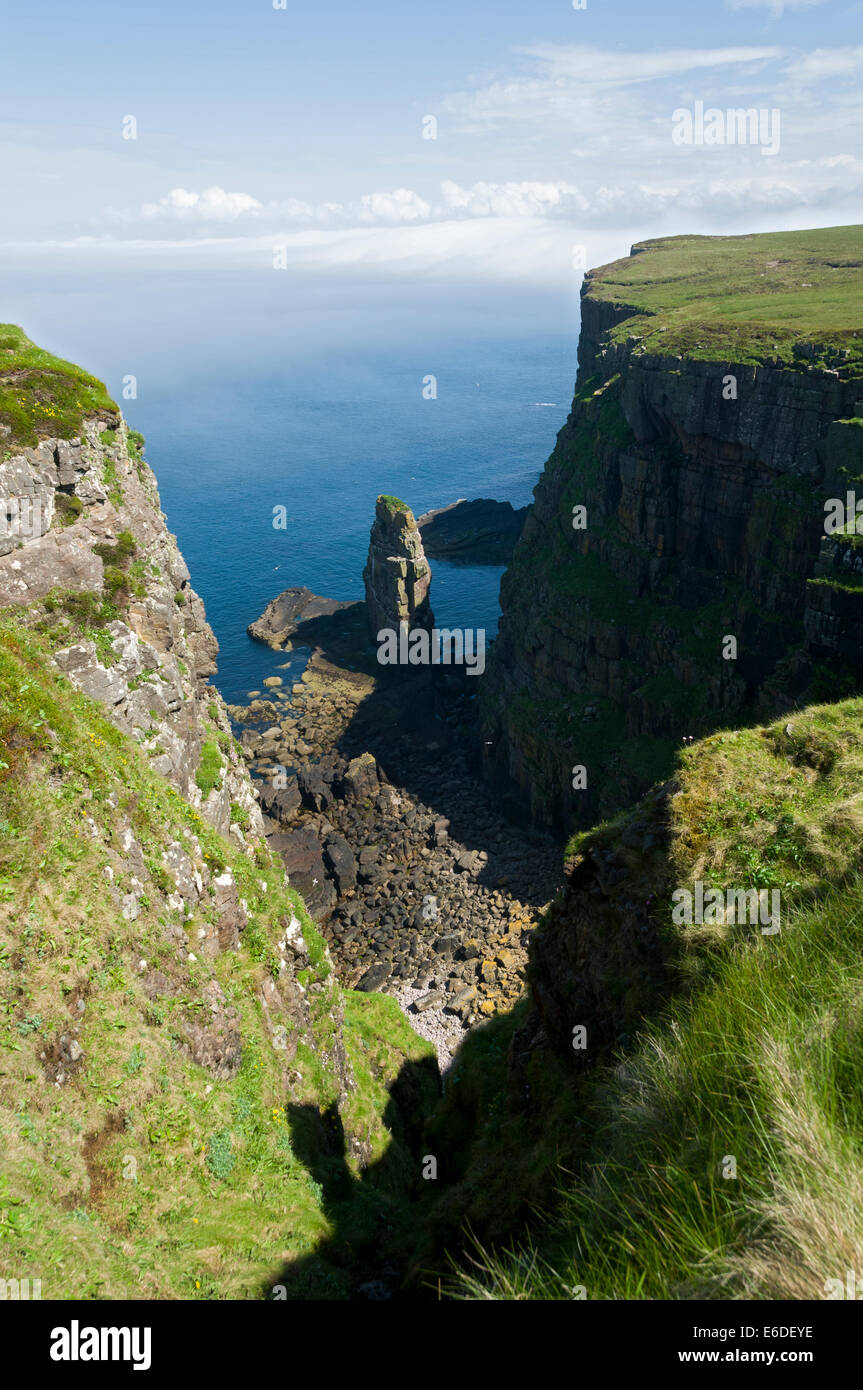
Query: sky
(297,138)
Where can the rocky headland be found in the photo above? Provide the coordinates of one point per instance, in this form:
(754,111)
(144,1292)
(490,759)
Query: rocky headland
(674,574)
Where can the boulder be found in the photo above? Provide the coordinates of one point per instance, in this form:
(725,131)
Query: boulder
(281,803)
(283,615)
(340,861)
(303,859)
(361,779)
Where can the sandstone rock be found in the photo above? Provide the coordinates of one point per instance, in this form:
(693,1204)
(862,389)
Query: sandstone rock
(284,614)
(695,506)
(461,1000)
(429,1001)
(81,664)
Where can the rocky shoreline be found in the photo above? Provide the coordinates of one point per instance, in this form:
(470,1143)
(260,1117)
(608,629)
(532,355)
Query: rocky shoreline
(368,780)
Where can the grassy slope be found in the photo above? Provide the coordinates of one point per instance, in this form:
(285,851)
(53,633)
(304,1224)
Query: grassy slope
(41,396)
(744,299)
(758,1059)
(755,1059)
(220,1198)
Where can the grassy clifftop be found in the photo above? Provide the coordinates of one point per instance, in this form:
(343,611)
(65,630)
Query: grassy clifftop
(41,396)
(744,299)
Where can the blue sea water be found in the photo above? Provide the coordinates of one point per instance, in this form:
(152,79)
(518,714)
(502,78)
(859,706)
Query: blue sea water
(324,445)
(257,390)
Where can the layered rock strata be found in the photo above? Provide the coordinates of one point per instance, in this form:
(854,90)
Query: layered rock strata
(397,575)
(673,574)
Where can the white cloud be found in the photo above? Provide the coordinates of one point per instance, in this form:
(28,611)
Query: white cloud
(213,205)
(610,67)
(823,64)
(587,153)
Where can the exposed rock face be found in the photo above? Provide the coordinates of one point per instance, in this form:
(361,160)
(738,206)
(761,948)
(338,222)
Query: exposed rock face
(703,519)
(285,613)
(397,574)
(151,669)
(302,856)
(482,532)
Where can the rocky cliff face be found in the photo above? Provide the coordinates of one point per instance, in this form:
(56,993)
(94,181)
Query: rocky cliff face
(171,1002)
(674,573)
(397,575)
(83,516)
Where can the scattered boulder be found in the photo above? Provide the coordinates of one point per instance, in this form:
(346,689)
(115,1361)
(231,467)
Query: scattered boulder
(374,977)
(361,781)
(281,803)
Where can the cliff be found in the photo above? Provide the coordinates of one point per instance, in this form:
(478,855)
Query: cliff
(717,410)
(178,1056)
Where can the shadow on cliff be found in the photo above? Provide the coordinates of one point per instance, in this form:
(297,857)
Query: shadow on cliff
(421,725)
(376,1218)
(523,1114)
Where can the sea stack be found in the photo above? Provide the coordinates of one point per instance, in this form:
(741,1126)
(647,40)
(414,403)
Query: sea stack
(397,574)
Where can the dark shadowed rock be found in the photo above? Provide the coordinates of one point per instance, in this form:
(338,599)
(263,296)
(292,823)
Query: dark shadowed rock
(482,532)
(374,977)
(339,859)
(303,859)
(315,793)
(282,803)
(284,614)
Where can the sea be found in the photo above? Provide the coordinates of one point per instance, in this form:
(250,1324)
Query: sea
(315,403)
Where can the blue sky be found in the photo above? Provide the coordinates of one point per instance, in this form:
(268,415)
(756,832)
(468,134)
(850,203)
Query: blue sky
(302,128)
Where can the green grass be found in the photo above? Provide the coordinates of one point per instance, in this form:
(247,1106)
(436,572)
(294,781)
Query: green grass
(41,396)
(757,1074)
(393,504)
(217,1200)
(721,298)
(756,1056)
(209,768)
